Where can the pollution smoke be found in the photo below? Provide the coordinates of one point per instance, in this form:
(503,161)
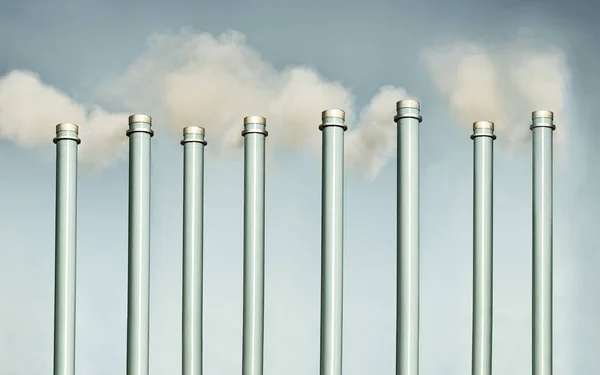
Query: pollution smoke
(197,78)
(191,78)
(501,83)
(30,110)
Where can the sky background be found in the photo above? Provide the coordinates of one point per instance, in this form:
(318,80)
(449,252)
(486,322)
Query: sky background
(88,50)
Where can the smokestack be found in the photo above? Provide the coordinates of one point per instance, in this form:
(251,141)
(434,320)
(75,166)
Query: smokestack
(483,164)
(67,141)
(139,133)
(408,119)
(542,128)
(332,240)
(254,244)
(193,238)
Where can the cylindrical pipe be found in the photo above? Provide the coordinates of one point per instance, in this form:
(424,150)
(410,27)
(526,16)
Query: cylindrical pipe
(138,302)
(67,141)
(408,119)
(254,244)
(332,240)
(483,164)
(193,228)
(542,127)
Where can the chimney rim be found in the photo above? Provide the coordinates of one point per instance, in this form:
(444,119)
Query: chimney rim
(408,103)
(255,120)
(483,125)
(194,130)
(337,113)
(67,126)
(140,118)
(542,113)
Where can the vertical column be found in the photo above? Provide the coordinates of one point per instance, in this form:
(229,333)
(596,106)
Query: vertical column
(138,302)
(542,128)
(483,163)
(332,241)
(254,244)
(193,231)
(408,119)
(67,142)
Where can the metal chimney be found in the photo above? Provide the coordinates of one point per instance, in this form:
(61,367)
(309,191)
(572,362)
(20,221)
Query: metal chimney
(254,244)
(67,142)
(332,241)
(139,133)
(408,119)
(483,163)
(542,128)
(193,228)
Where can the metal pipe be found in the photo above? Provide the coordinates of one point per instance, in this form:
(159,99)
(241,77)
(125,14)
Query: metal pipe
(542,127)
(254,244)
(483,163)
(408,118)
(332,241)
(138,306)
(193,228)
(67,141)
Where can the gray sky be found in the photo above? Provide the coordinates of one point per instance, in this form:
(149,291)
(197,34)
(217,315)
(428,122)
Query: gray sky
(88,50)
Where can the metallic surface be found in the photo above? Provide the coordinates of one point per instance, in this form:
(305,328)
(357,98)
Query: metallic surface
(542,128)
(408,103)
(193,130)
(542,114)
(408,119)
(482,125)
(483,164)
(65,126)
(140,118)
(67,142)
(255,120)
(333,113)
(193,238)
(332,242)
(138,292)
(254,245)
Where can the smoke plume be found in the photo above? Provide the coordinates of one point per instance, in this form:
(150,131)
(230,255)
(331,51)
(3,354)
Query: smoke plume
(30,110)
(196,78)
(191,78)
(501,83)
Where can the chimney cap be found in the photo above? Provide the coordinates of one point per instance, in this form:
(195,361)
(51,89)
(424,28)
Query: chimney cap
(66,126)
(193,130)
(338,113)
(140,118)
(542,114)
(408,103)
(483,125)
(255,120)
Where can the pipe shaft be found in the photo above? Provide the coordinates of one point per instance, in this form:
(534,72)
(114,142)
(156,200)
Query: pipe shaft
(542,129)
(138,305)
(407,315)
(254,245)
(483,138)
(193,227)
(332,242)
(65,248)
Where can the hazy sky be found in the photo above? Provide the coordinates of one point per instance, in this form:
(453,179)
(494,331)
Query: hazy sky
(183,64)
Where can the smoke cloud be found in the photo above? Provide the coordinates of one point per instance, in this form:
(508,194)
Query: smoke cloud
(30,110)
(191,78)
(502,83)
(197,78)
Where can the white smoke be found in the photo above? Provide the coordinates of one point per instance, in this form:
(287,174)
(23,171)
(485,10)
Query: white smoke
(196,78)
(190,78)
(501,83)
(31,109)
